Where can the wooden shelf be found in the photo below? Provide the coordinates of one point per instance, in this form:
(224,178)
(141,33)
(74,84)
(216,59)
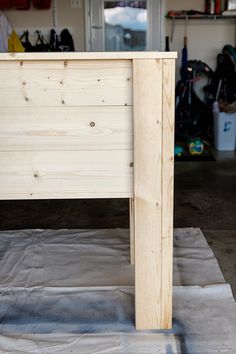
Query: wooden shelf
(201,17)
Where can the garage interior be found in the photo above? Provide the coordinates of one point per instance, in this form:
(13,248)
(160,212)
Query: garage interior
(204,191)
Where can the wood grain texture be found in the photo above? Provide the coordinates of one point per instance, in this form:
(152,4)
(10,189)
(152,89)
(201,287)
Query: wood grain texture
(147,77)
(66,174)
(88,56)
(81,83)
(66,128)
(167,191)
(132,231)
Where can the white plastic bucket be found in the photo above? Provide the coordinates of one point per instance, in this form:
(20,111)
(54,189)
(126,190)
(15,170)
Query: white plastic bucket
(224,131)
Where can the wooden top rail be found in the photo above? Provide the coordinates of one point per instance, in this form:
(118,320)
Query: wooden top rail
(88,55)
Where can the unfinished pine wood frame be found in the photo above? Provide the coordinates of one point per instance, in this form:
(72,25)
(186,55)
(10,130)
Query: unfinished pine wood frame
(98,125)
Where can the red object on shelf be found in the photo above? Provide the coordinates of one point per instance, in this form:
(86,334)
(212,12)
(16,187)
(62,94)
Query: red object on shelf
(21,4)
(42,4)
(5,4)
(217,7)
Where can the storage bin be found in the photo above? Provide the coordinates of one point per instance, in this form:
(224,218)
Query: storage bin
(224,131)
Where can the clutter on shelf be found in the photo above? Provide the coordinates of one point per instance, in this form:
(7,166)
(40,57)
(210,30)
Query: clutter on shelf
(212,8)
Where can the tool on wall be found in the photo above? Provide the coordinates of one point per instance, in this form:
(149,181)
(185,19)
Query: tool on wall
(167,46)
(185,49)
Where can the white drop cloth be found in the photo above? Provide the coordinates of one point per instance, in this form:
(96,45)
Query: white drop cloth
(71,291)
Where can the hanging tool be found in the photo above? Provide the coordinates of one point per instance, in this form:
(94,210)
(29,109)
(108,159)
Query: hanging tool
(185,48)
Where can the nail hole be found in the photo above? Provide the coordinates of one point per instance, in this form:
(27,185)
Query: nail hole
(27,99)
(36,174)
(131,164)
(63,102)
(92,124)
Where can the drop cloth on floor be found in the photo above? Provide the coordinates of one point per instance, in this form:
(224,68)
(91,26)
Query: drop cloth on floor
(71,291)
(77,258)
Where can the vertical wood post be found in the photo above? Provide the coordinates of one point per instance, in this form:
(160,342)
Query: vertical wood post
(147,81)
(153,191)
(131,228)
(167,190)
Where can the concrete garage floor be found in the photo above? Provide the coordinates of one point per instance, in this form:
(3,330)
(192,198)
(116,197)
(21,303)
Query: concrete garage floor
(205,197)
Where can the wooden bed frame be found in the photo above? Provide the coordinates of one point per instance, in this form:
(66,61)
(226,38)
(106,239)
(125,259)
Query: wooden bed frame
(98,125)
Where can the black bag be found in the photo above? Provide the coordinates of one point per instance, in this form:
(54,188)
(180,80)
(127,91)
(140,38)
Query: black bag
(41,45)
(26,42)
(54,42)
(66,41)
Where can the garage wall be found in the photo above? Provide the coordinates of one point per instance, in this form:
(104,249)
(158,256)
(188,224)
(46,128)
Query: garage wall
(206,37)
(72,18)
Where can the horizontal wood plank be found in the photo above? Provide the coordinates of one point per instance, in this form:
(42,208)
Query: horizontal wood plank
(71,174)
(89,55)
(46,84)
(66,128)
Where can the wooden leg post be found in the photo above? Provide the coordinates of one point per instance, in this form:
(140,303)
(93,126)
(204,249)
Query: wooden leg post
(152,207)
(131,228)
(167,190)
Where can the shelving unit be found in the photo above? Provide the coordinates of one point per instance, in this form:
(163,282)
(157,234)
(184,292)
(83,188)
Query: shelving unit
(201,17)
